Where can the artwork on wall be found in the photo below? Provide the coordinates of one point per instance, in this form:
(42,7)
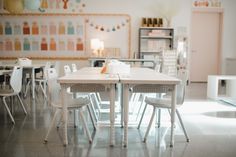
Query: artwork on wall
(62,35)
(48,36)
(42,6)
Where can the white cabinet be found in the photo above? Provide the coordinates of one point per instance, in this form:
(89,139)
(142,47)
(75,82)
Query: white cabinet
(152,40)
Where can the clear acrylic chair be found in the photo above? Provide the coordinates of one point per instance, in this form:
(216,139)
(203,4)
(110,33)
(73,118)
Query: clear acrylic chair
(165,103)
(16,85)
(73,104)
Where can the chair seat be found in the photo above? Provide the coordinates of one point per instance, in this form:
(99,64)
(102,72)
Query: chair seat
(7,92)
(73,103)
(159,102)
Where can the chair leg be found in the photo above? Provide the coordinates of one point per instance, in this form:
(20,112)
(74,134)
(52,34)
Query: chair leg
(27,88)
(94,97)
(182,124)
(139,109)
(59,122)
(22,105)
(8,110)
(51,125)
(43,89)
(91,116)
(85,125)
(75,118)
(93,109)
(141,119)
(159,118)
(150,124)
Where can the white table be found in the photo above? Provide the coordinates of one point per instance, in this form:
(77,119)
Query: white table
(32,68)
(141,80)
(145,80)
(89,79)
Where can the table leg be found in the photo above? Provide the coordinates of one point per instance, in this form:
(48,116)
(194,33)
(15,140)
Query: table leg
(173,110)
(33,82)
(121,105)
(112,115)
(126,112)
(64,113)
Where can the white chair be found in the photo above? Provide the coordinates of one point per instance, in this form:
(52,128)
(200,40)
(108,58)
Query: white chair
(57,65)
(42,82)
(161,103)
(16,85)
(67,69)
(74,67)
(55,94)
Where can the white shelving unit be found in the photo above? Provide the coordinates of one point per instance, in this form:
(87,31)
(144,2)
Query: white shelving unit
(152,40)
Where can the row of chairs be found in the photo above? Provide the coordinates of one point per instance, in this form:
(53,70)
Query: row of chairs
(77,103)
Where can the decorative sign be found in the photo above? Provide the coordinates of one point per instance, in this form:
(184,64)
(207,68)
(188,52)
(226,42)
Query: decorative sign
(207,3)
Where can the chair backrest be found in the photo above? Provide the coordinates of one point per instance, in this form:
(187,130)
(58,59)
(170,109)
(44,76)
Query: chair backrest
(67,69)
(16,79)
(74,67)
(169,62)
(54,87)
(57,67)
(182,75)
(157,68)
(47,66)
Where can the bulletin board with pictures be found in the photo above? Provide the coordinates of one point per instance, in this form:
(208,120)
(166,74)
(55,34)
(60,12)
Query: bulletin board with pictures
(63,36)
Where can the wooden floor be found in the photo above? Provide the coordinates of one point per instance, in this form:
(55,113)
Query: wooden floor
(211,127)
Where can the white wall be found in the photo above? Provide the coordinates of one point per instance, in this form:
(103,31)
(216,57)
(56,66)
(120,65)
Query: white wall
(138,9)
(229,41)
(149,8)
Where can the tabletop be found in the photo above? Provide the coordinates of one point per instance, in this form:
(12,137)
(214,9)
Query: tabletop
(147,76)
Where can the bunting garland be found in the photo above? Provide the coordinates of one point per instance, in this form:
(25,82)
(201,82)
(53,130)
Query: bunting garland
(105,28)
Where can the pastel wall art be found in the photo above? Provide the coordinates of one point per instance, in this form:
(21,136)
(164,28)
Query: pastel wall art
(52,44)
(17,44)
(59,35)
(14,6)
(8,45)
(52,28)
(26,44)
(35,45)
(1,29)
(35,28)
(79,45)
(8,28)
(1,45)
(32,4)
(42,6)
(44,45)
(17,29)
(62,29)
(26,28)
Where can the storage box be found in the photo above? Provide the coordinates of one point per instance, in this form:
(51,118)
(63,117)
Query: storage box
(116,67)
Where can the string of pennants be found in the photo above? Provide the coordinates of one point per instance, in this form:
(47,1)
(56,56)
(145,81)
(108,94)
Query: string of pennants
(105,28)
